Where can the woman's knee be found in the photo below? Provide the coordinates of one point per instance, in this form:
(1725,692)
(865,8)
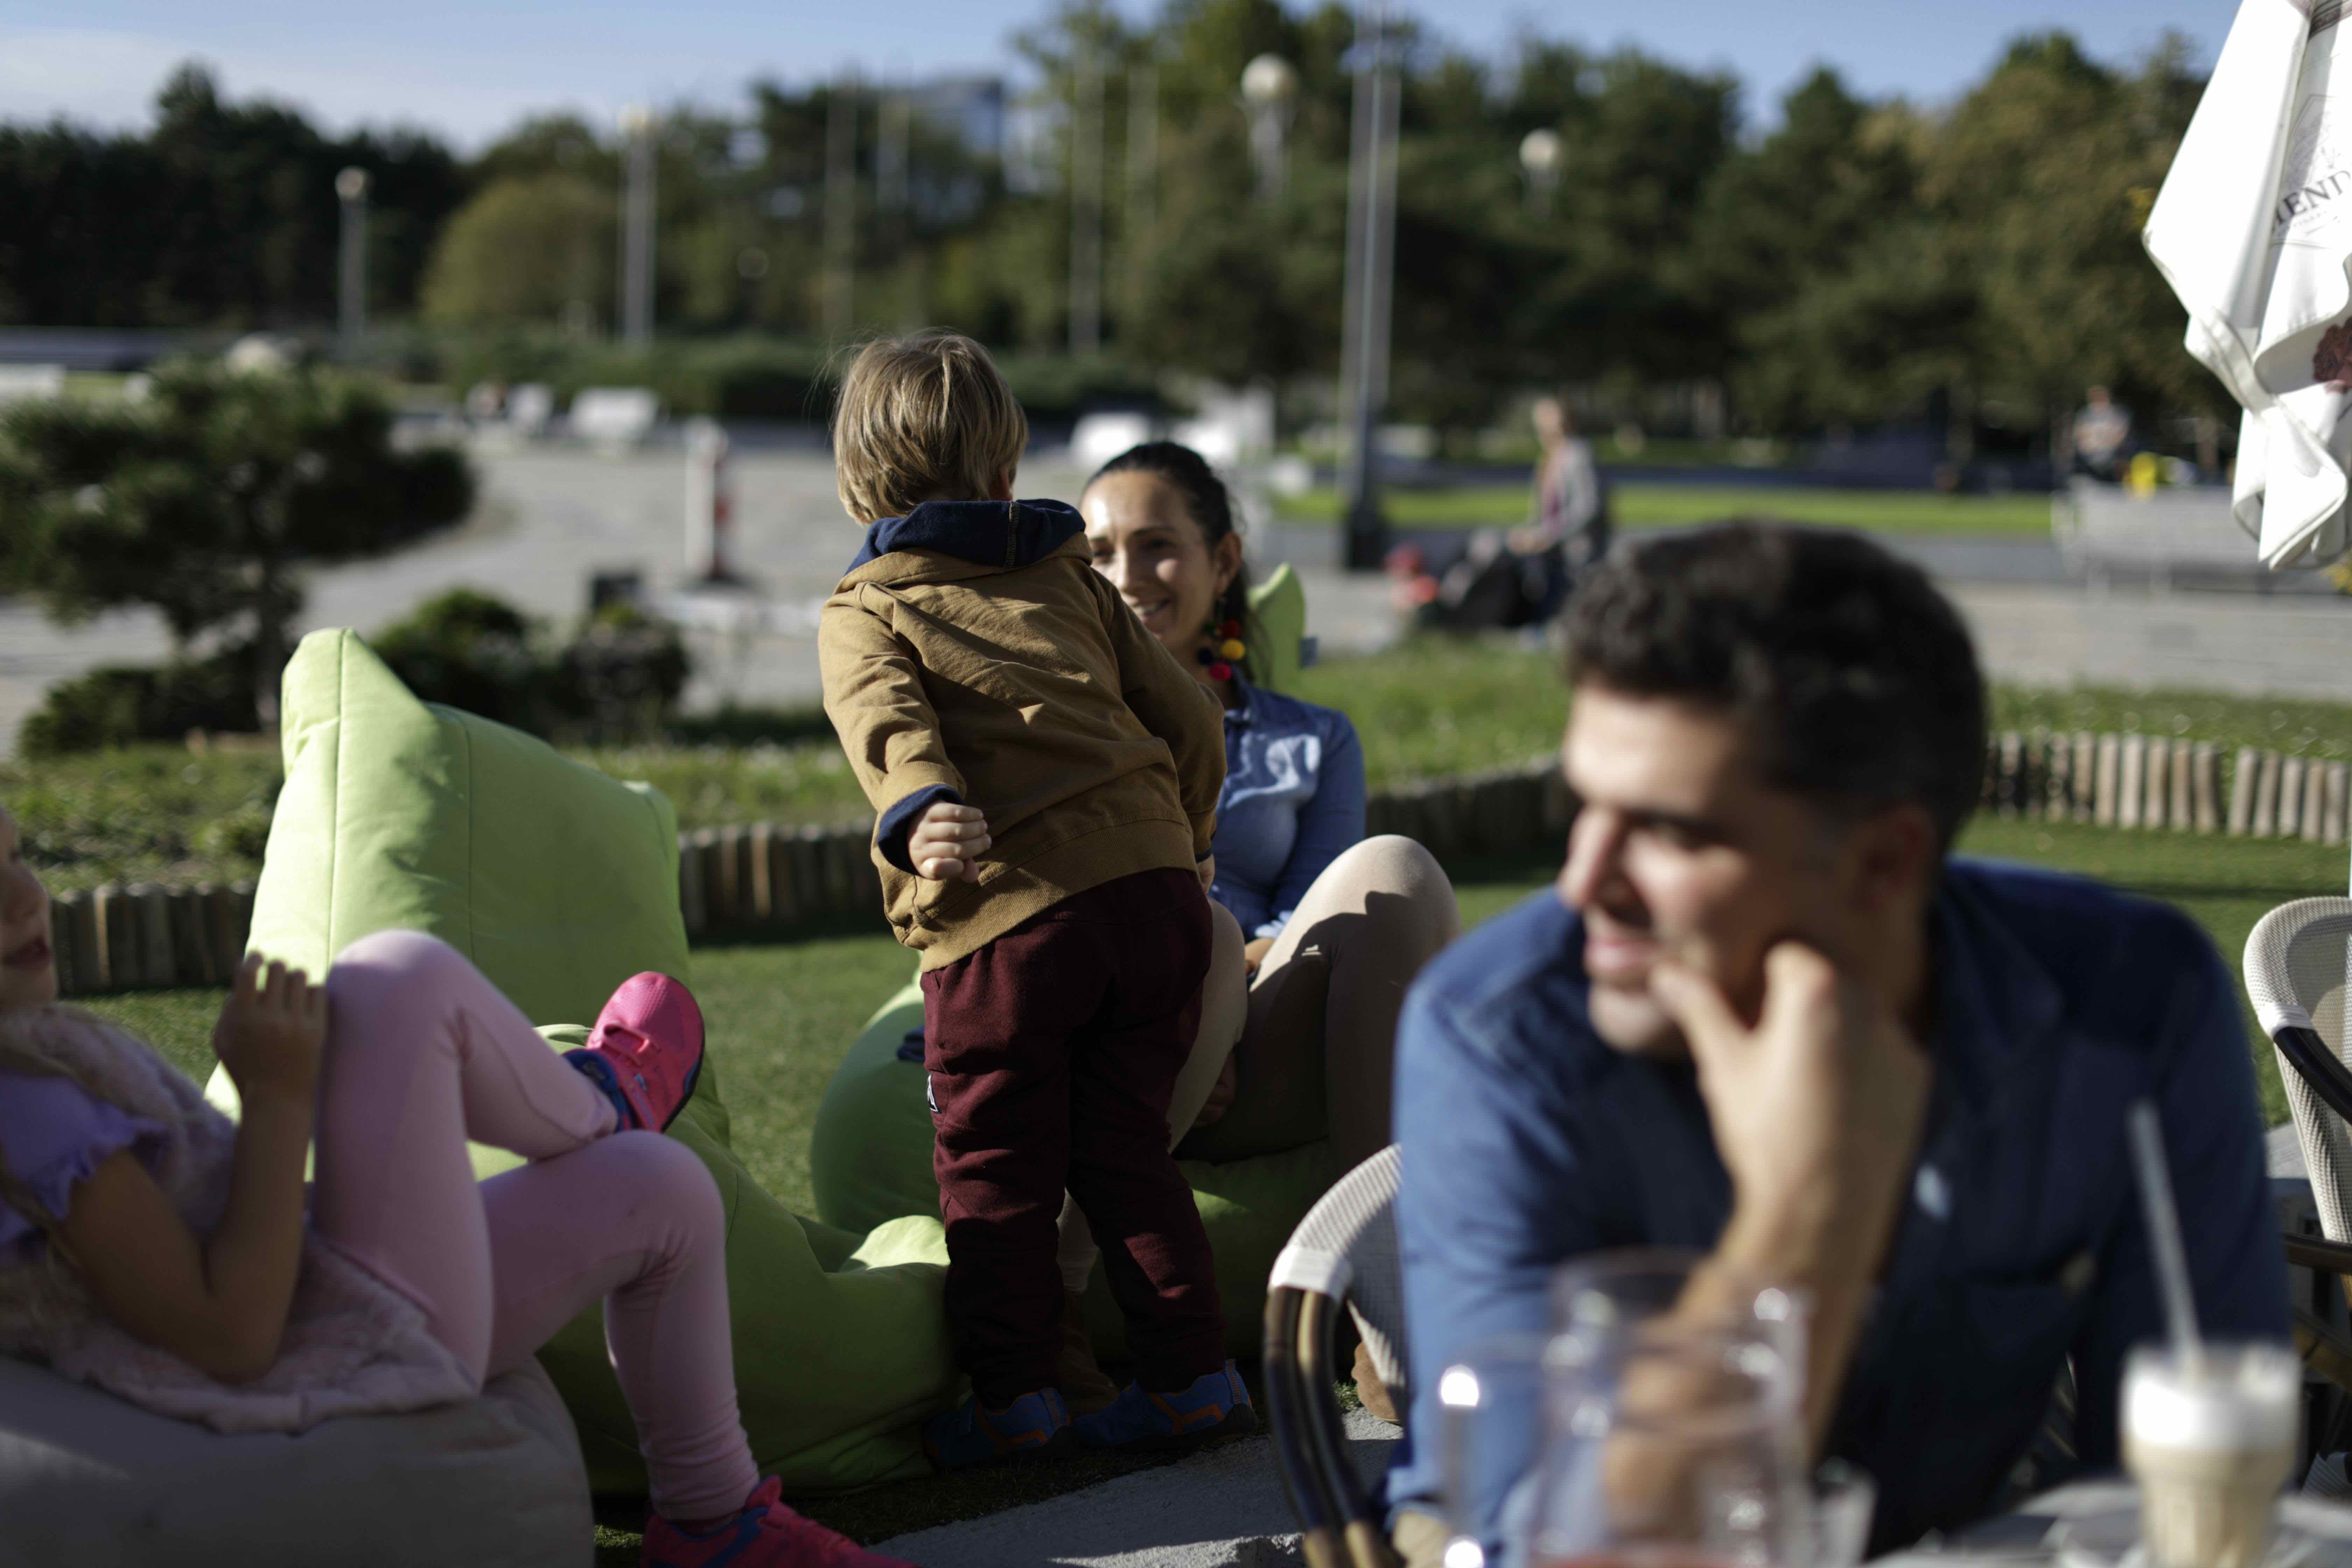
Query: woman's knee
(1394,863)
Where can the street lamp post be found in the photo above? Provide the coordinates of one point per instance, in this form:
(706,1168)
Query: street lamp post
(841,207)
(637,228)
(1540,154)
(1269,92)
(1139,235)
(1371,267)
(1087,207)
(350,292)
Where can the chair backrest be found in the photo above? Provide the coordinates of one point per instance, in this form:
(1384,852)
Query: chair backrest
(1346,1248)
(2298,960)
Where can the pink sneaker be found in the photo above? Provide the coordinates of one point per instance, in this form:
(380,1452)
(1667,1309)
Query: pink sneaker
(766,1534)
(646,1050)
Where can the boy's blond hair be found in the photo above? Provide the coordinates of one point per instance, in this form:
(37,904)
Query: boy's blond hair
(923,417)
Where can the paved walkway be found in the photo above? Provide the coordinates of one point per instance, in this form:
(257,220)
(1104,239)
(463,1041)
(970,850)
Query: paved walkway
(1222,1508)
(550,519)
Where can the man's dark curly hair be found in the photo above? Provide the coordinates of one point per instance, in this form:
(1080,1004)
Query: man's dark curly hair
(1854,679)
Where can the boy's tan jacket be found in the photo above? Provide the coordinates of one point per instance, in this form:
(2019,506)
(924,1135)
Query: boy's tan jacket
(1034,693)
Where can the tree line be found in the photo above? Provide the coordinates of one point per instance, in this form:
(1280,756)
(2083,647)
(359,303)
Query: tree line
(1972,265)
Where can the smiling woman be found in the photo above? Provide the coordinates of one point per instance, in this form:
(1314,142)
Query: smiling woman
(1320,929)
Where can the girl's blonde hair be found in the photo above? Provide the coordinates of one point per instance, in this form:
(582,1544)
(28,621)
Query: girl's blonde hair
(923,417)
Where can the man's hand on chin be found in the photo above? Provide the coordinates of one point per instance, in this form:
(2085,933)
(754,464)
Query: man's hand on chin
(1817,1110)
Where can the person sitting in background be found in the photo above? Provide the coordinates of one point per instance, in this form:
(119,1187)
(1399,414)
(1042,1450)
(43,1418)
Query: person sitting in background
(1521,578)
(1572,505)
(1320,930)
(1766,1015)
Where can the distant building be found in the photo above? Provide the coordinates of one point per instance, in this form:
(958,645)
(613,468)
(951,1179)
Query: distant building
(1033,148)
(969,108)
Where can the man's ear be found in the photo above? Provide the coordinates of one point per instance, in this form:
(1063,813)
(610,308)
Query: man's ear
(1002,489)
(1893,856)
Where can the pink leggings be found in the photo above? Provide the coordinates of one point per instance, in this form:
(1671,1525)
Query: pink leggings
(422,1053)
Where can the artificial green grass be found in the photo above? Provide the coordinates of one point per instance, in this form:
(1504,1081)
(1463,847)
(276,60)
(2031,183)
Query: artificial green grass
(2296,726)
(1639,503)
(781,1015)
(1428,707)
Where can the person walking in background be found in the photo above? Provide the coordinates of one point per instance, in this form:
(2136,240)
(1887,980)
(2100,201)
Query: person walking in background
(1045,776)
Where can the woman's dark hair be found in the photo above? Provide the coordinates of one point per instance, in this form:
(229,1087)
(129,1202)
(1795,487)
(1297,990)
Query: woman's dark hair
(1853,678)
(1210,506)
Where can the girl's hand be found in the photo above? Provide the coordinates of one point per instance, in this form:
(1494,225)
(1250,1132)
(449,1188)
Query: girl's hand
(947,843)
(1208,868)
(1254,954)
(271,1031)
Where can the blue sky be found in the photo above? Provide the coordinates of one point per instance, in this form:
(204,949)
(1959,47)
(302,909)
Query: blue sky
(470,69)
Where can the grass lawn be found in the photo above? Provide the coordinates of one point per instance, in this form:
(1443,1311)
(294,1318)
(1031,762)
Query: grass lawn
(1427,707)
(1642,504)
(781,1016)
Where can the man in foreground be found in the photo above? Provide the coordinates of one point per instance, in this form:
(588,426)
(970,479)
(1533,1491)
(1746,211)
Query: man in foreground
(1763,1016)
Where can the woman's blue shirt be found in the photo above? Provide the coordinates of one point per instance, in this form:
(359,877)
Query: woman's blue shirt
(1293,801)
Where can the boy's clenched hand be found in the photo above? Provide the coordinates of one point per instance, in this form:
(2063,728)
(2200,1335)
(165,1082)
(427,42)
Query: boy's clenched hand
(947,843)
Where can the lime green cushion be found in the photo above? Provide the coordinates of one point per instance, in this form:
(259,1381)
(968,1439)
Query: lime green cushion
(841,1347)
(559,883)
(1280,605)
(870,1161)
(556,880)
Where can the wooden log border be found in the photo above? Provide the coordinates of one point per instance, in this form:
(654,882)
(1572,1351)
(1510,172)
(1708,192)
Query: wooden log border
(767,875)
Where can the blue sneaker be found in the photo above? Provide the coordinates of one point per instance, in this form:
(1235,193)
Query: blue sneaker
(1216,1405)
(1033,1427)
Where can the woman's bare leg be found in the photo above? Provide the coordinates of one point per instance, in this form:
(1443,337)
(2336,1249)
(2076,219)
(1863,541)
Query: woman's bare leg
(1315,1057)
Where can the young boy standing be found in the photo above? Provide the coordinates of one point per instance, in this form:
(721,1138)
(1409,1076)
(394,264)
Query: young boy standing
(1047,776)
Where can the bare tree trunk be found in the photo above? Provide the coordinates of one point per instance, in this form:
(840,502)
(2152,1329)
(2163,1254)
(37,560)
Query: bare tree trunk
(276,603)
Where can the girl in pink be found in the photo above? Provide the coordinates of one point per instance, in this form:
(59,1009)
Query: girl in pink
(149,1247)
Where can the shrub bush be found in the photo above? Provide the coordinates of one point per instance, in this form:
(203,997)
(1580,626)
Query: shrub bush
(755,377)
(473,651)
(121,705)
(615,681)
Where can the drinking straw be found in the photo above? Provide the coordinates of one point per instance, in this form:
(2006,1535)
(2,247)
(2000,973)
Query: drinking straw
(2164,1232)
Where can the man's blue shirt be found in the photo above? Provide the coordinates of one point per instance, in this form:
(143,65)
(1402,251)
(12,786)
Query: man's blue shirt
(1527,1142)
(1293,802)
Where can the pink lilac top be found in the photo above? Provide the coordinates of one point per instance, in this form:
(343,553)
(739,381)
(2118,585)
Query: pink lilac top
(80,1090)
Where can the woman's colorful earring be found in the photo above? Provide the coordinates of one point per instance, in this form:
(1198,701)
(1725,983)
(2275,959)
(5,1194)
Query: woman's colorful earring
(1225,645)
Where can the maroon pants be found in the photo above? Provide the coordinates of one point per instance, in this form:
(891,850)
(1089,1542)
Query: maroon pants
(1052,1053)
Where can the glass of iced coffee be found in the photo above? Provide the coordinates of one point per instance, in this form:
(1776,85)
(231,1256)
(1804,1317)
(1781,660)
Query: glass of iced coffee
(2211,1438)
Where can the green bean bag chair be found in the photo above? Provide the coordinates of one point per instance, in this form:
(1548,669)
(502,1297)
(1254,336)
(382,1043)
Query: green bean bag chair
(870,1163)
(559,883)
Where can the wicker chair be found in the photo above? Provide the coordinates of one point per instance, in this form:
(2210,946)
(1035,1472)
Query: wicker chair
(1345,1250)
(2298,963)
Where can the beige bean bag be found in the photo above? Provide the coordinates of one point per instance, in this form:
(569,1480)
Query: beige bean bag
(92,1481)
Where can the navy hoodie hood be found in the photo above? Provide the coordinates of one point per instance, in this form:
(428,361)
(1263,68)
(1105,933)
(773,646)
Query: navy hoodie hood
(1004,533)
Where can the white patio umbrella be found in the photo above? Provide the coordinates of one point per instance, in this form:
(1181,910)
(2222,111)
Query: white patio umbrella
(2253,231)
